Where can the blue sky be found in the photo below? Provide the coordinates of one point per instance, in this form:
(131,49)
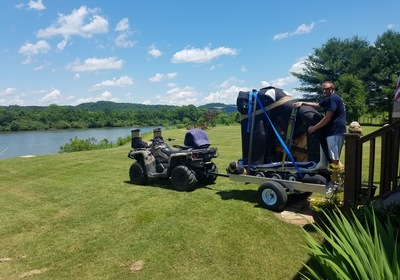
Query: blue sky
(171,52)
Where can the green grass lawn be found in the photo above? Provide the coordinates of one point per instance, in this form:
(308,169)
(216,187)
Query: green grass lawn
(76,216)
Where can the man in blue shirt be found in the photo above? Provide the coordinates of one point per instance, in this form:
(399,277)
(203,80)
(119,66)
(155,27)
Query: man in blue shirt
(332,125)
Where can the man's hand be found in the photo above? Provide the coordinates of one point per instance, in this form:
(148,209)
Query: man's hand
(312,129)
(297,104)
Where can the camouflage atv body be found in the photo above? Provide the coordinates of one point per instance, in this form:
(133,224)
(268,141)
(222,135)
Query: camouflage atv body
(184,166)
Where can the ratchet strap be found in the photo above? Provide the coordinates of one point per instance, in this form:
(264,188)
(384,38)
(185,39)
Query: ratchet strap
(289,133)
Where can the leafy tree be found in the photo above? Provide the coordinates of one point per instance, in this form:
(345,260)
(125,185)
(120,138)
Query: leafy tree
(375,66)
(335,58)
(385,68)
(353,93)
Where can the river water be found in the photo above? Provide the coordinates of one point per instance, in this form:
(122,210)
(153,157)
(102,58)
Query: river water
(22,143)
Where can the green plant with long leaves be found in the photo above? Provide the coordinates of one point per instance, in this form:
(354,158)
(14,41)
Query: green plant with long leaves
(353,250)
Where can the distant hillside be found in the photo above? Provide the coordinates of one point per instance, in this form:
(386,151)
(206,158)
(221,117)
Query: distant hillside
(109,105)
(102,105)
(220,106)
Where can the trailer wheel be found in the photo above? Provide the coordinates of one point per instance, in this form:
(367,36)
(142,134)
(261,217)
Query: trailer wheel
(276,176)
(183,178)
(272,196)
(291,177)
(259,174)
(136,174)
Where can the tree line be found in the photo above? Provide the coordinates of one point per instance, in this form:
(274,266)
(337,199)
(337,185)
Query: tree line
(365,75)
(109,114)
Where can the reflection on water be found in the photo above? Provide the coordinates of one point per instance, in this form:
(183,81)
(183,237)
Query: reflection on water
(14,144)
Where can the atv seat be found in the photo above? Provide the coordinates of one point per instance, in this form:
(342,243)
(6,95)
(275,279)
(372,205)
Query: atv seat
(196,139)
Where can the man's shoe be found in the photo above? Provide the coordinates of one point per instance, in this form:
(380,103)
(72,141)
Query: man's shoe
(330,189)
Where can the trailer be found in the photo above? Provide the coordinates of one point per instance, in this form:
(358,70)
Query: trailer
(273,193)
(267,159)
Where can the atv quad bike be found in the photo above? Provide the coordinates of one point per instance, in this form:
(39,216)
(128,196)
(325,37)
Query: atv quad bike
(184,165)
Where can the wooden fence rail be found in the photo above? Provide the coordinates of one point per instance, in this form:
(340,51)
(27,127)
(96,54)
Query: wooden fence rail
(355,187)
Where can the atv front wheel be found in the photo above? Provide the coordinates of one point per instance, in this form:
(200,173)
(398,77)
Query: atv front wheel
(183,178)
(136,174)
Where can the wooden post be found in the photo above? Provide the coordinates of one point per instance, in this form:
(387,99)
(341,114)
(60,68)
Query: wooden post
(351,175)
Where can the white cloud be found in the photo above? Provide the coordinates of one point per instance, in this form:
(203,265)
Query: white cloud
(122,25)
(95,64)
(158,77)
(82,22)
(154,52)
(172,75)
(122,82)
(122,39)
(36,5)
(8,91)
(281,36)
(227,92)
(14,101)
(279,82)
(30,49)
(51,97)
(61,45)
(286,81)
(201,55)
(32,5)
(123,42)
(38,68)
(146,102)
(301,29)
(179,96)
(298,66)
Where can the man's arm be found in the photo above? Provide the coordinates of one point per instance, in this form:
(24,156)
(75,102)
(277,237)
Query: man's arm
(312,104)
(325,120)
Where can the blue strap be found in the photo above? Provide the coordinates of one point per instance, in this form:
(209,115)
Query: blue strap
(278,136)
(250,111)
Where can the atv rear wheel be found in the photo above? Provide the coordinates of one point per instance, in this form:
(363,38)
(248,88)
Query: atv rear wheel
(205,178)
(136,174)
(183,178)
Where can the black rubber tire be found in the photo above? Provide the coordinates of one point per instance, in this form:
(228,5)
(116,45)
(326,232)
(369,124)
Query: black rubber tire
(183,178)
(137,175)
(208,179)
(275,176)
(291,177)
(272,196)
(259,174)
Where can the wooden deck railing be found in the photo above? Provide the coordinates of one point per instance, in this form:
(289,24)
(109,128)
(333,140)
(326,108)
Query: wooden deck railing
(354,183)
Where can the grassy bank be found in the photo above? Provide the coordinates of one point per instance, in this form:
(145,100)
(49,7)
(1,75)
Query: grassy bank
(75,216)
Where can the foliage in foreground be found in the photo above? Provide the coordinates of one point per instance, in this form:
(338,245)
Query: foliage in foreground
(352,250)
